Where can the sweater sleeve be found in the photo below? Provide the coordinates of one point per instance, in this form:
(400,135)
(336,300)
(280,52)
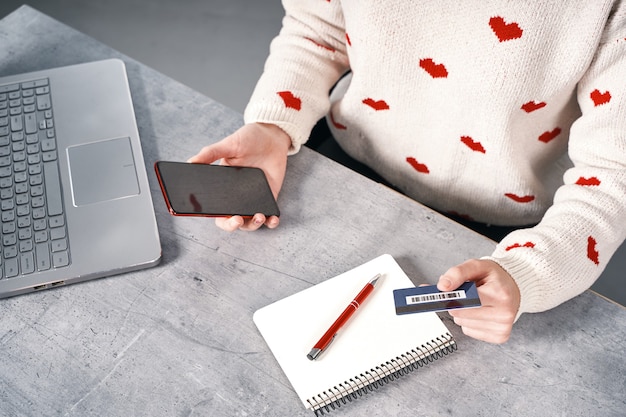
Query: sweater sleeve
(567,251)
(306,59)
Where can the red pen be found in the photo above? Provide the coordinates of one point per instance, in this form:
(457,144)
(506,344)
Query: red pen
(343,318)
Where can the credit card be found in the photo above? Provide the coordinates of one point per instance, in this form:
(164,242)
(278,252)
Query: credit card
(429,298)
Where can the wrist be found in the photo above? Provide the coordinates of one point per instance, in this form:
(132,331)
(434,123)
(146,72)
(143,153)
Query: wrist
(279,137)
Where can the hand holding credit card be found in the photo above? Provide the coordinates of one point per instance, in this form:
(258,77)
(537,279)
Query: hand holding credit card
(429,298)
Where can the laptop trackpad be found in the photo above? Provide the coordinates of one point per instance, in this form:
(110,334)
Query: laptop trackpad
(102,171)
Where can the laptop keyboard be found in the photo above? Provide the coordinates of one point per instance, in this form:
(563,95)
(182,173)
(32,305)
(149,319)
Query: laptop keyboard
(34,232)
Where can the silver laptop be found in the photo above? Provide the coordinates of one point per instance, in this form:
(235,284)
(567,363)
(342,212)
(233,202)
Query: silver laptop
(74,196)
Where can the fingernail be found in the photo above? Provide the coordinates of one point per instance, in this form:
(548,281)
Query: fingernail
(445,282)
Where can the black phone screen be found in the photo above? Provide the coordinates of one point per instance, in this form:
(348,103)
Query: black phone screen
(215,190)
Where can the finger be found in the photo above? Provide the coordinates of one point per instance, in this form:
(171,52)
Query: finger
(230,224)
(487,331)
(211,153)
(501,292)
(486,313)
(272,222)
(482,313)
(454,277)
(253,224)
(205,156)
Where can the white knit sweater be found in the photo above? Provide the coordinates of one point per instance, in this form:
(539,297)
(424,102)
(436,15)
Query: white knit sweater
(508,113)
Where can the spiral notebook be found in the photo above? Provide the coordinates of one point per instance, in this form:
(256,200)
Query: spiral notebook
(375,347)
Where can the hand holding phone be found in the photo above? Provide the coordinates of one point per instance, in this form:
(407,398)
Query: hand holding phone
(215,190)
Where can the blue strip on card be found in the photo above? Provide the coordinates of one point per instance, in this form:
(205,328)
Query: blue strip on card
(429,298)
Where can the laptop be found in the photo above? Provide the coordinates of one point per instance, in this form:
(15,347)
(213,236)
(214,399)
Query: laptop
(74,197)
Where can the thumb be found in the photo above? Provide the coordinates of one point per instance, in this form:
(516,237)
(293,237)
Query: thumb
(454,277)
(210,154)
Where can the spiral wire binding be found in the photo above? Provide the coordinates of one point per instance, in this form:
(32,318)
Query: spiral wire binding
(375,378)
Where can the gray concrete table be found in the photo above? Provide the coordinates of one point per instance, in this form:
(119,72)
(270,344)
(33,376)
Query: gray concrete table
(178,339)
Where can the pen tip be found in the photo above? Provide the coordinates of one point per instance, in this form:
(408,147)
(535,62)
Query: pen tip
(314,353)
(374,280)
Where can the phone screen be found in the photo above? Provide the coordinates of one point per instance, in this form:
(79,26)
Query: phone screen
(215,190)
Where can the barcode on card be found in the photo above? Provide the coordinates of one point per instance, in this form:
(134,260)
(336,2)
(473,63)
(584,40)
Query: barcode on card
(440,296)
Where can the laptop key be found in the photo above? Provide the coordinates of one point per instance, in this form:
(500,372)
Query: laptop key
(9,88)
(49,156)
(26,246)
(43,102)
(59,245)
(48,145)
(11,268)
(27,261)
(43,256)
(56,221)
(60,259)
(57,233)
(16,123)
(10,251)
(53,188)
(30,123)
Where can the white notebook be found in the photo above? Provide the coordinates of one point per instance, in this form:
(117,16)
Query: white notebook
(373,348)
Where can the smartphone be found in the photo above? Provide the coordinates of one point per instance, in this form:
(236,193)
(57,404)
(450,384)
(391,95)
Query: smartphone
(215,190)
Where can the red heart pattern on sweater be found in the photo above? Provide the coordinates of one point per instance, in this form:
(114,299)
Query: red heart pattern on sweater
(433,69)
(518,245)
(419,167)
(549,135)
(291,101)
(505,31)
(376,104)
(473,145)
(337,125)
(600,98)
(592,251)
(520,198)
(531,106)
(591,181)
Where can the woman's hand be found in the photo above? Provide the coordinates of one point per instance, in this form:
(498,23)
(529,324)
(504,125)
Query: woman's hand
(257,145)
(499,296)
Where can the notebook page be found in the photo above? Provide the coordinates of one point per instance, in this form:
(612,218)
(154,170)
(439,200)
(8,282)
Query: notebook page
(374,334)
